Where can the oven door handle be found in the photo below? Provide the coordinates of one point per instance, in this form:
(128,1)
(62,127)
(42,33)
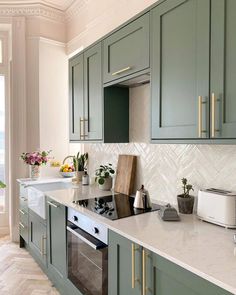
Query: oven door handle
(93,242)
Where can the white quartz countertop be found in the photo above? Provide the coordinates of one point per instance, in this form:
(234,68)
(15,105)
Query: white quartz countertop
(204,249)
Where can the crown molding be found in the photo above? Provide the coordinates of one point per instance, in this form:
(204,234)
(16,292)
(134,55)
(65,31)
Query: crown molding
(32,10)
(74,9)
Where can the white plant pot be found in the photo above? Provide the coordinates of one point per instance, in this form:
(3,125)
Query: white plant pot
(107,185)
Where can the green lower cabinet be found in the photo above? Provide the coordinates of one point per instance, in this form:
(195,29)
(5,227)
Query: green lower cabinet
(124,269)
(153,274)
(24,224)
(56,248)
(37,238)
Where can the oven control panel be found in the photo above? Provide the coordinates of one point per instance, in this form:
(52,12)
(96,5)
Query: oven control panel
(97,230)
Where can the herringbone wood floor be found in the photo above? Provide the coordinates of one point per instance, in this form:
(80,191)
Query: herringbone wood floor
(19,273)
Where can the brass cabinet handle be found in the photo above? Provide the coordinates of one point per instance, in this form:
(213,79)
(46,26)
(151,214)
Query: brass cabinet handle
(42,246)
(21,211)
(213,100)
(82,128)
(121,71)
(134,279)
(22,225)
(213,115)
(200,103)
(144,272)
(52,204)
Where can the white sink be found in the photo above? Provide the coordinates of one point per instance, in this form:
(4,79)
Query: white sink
(37,198)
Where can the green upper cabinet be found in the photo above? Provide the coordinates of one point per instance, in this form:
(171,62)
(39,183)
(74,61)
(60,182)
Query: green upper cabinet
(126,51)
(180,69)
(223,69)
(86,96)
(76,93)
(93,93)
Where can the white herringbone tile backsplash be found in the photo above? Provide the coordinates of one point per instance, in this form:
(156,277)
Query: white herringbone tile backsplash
(161,166)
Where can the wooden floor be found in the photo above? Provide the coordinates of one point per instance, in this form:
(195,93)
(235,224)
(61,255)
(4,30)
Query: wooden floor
(19,273)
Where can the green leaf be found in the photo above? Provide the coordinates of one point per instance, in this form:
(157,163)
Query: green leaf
(2,185)
(101,181)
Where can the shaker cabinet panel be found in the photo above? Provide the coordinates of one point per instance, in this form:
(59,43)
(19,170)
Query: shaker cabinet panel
(180,69)
(37,238)
(56,230)
(76,94)
(223,69)
(126,51)
(93,93)
(124,270)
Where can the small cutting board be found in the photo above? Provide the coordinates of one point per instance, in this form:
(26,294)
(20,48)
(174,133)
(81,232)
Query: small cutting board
(125,174)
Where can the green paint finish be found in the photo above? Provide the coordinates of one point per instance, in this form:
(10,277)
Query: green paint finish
(116,114)
(179,67)
(24,224)
(223,67)
(56,239)
(169,278)
(162,276)
(120,266)
(37,238)
(76,96)
(126,50)
(93,92)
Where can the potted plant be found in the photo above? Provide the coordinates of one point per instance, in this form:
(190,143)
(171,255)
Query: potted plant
(104,176)
(35,160)
(2,185)
(79,163)
(185,200)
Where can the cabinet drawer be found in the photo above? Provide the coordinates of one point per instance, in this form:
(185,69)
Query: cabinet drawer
(23,191)
(127,50)
(23,203)
(24,225)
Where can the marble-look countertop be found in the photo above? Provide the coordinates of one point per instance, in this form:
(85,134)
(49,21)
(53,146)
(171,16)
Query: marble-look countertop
(202,248)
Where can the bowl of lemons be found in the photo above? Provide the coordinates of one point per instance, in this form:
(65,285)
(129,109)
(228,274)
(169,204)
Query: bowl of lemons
(67,170)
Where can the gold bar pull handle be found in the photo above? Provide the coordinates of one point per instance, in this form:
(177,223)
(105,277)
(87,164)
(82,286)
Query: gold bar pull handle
(133,266)
(43,238)
(121,71)
(134,279)
(200,103)
(22,212)
(213,101)
(199,116)
(22,225)
(81,128)
(144,272)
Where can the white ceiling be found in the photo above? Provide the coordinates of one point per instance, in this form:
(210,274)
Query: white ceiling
(59,4)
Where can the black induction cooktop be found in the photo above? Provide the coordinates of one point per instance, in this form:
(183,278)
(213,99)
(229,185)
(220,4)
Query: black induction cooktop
(114,206)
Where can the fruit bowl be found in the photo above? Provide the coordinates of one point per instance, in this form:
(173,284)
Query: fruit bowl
(67,174)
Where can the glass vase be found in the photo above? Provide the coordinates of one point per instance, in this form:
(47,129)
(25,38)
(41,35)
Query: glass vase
(34,171)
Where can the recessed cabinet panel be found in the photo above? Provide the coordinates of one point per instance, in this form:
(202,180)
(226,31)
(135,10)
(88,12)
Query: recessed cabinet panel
(180,69)
(76,79)
(223,69)
(93,93)
(127,50)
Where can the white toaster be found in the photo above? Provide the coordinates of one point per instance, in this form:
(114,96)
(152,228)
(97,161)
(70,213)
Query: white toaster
(217,206)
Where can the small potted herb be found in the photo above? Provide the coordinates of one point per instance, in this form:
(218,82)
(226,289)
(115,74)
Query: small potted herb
(185,200)
(104,176)
(79,164)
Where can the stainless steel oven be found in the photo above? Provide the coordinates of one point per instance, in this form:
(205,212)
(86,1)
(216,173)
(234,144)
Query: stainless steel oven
(87,254)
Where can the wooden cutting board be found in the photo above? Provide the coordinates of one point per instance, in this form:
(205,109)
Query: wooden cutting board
(125,174)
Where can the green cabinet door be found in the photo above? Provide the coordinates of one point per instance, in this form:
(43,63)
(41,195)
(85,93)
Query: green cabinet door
(180,69)
(37,238)
(223,69)
(56,233)
(126,51)
(76,98)
(169,278)
(93,93)
(124,269)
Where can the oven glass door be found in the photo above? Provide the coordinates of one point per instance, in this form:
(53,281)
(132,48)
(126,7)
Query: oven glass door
(87,262)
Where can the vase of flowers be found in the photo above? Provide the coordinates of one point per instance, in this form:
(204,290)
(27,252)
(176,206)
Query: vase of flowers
(35,160)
